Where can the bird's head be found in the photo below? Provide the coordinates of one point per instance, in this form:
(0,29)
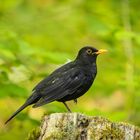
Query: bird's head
(89,54)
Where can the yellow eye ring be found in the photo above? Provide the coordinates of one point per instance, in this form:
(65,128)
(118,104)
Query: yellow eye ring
(89,51)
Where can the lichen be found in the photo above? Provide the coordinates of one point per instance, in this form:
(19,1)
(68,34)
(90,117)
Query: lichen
(34,134)
(76,126)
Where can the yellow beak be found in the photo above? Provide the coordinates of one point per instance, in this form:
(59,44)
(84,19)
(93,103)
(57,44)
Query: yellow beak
(101,51)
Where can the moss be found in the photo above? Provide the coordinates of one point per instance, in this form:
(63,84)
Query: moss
(101,128)
(34,134)
(62,129)
(58,136)
(74,126)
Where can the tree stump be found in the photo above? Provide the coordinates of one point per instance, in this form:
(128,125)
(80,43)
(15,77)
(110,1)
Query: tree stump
(76,126)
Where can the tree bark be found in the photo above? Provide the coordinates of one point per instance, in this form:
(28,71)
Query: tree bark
(76,126)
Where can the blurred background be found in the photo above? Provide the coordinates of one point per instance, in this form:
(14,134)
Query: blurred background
(38,36)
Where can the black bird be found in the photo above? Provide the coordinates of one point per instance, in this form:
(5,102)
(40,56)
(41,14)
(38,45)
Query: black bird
(66,83)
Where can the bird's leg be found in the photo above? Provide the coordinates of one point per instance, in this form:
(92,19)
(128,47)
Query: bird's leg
(75,101)
(67,107)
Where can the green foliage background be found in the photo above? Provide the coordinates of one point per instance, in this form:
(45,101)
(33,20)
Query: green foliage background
(37,36)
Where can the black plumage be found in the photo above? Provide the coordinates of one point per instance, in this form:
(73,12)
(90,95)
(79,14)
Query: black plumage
(66,83)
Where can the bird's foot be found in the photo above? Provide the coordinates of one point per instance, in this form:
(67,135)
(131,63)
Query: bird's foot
(75,101)
(67,107)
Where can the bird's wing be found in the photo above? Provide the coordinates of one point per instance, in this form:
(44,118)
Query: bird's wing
(53,77)
(62,85)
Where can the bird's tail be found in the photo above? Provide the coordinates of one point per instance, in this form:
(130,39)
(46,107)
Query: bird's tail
(32,99)
(19,110)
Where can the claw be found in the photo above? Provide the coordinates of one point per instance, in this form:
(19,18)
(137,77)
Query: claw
(75,101)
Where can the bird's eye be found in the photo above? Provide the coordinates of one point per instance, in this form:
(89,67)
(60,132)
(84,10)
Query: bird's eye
(89,51)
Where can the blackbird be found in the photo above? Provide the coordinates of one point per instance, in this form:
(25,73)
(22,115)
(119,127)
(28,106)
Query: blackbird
(66,83)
